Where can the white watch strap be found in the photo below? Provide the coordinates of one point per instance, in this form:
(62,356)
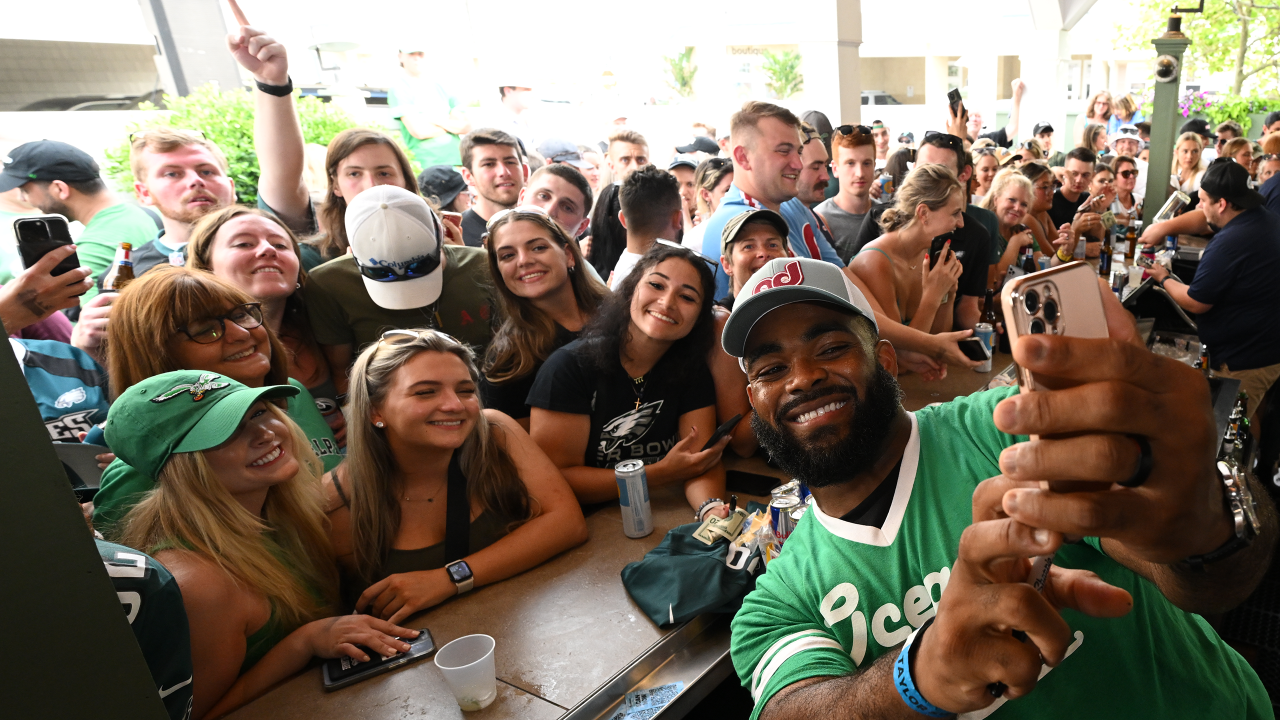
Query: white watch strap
(466,585)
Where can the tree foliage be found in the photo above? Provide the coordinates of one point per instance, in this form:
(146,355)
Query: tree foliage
(783,70)
(681,71)
(226,118)
(1239,36)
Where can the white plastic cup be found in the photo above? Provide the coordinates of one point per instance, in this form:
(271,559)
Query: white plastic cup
(1135,276)
(468,668)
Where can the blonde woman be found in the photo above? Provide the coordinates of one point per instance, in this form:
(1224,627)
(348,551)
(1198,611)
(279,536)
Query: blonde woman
(1188,163)
(437,495)
(177,318)
(1010,199)
(896,267)
(236,516)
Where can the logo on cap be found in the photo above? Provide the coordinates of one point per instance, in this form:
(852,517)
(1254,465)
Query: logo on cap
(791,274)
(197,388)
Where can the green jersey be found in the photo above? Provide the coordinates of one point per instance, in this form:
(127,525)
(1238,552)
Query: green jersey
(152,602)
(121,486)
(96,247)
(841,595)
(419,95)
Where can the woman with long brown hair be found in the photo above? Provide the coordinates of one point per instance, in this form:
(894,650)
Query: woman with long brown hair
(236,516)
(255,251)
(177,318)
(438,495)
(1097,112)
(545,297)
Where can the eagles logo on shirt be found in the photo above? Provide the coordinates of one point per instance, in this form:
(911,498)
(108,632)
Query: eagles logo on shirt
(629,427)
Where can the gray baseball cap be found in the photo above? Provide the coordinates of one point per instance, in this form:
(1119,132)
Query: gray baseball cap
(783,281)
(555,150)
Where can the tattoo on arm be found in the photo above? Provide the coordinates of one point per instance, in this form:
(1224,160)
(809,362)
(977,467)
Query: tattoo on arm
(30,300)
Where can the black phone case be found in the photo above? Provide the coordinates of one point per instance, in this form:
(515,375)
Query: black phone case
(336,676)
(935,248)
(723,430)
(971,347)
(750,483)
(32,248)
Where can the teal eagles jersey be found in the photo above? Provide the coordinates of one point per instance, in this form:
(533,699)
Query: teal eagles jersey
(841,595)
(69,386)
(152,602)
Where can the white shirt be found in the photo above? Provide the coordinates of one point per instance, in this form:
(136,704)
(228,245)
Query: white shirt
(693,237)
(626,263)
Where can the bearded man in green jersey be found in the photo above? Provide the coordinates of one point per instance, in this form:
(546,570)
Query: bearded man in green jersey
(924,525)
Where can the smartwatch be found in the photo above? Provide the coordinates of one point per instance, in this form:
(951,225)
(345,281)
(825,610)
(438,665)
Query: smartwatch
(460,574)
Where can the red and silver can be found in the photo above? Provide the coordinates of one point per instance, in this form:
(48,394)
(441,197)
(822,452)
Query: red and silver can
(791,487)
(633,496)
(780,516)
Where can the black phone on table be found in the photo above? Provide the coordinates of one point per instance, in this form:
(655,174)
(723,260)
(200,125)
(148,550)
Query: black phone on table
(723,430)
(975,349)
(42,234)
(935,248)
(747,483)
(343,671)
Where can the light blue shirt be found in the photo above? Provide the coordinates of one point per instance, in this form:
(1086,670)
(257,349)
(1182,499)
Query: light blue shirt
(806,236)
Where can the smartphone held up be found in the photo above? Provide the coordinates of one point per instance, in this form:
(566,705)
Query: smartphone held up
(42,234)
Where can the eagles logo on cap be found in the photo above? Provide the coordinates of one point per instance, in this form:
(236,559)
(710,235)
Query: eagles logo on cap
(197,389)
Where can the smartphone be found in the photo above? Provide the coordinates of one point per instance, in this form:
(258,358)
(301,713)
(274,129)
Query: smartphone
(975,349)
(40,235)
(956,102)
(343,671)
(80,461)
(1063,300)
(723,430)
(935,248)
(747,483)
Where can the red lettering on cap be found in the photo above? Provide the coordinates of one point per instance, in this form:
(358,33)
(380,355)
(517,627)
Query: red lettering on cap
(792,274)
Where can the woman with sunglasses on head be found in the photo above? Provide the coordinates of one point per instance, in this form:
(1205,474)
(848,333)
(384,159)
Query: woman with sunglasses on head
(636,386)
(255,251)
(176,318)
(438,495)
(235,515)
(711,181)
(545,297)
(1126,207)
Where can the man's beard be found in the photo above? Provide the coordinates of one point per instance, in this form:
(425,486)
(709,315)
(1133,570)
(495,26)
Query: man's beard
(187,214)
(825,458)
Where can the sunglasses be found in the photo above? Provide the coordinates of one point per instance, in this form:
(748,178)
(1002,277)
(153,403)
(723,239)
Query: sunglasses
(419,268)
(851,129)
(410,335)
(710,263)
(211,330)
(1126,174)
(944,140)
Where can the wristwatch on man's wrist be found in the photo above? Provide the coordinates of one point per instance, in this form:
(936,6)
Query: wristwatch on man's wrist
(1242,509)
(460,574)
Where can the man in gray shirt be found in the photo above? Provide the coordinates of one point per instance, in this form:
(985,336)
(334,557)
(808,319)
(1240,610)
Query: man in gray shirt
(854,156)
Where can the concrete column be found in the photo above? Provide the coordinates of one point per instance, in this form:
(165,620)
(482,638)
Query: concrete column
(831,67)
(192,39)
(935,80)
(1164,126)
(984,72)
(1045,72)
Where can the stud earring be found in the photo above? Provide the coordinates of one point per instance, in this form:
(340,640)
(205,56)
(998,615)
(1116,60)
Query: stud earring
(380,424)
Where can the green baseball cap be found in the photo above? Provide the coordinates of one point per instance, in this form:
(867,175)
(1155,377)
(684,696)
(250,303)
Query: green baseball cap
(737,222)
(180,411)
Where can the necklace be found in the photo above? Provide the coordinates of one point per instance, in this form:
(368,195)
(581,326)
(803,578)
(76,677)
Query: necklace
(638,386)
(444,482)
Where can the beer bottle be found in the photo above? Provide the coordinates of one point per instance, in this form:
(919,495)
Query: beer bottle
(989,308)
(1104,260)
(1203,363)
(1029,260)
(1130,243)
(121,272)
(1244,432)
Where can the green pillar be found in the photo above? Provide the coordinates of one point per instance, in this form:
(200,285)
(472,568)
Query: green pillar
(1165,120)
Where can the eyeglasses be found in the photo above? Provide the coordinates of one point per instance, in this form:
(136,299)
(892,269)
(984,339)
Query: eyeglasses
(1126,174)
(211,330)
(986,151)
(420,267)
(944,140)
(851,129)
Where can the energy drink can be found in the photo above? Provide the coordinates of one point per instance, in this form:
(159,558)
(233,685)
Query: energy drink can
(786,489)
(1171,243)
(804,493)
(780,516)
(797,513)
(633,495)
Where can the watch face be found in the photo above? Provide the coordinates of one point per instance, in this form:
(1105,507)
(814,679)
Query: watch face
(459,571)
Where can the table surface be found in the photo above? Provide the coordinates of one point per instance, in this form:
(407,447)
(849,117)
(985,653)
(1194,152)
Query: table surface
(563,629)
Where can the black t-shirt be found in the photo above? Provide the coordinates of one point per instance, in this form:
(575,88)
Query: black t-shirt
(999,137)
(621,430)
(510,397)
(1064,210)
(874,509)
(971,243)
(473,228)
(1237,276)
(608,237)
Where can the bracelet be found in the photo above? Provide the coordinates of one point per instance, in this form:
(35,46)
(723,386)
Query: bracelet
(276,90)
(906,685)
(1165,280)
(706,505)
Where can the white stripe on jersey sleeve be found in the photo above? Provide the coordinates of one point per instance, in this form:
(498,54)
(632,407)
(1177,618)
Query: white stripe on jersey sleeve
(764,659)
(798,646)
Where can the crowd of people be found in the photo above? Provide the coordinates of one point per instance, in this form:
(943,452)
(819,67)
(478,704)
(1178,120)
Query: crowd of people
(413,387)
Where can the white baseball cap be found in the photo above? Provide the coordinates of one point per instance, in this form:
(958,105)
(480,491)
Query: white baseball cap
(395,239)
(783,281)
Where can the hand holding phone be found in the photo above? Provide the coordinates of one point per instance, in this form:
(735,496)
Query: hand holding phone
(343,671)
(36,293)
(723,430)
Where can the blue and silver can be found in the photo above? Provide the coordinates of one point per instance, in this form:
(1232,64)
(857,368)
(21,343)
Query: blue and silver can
(780,516)
(633,495)
(1171,243)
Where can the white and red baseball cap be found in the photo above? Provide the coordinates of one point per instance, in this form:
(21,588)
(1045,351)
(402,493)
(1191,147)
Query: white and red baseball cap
(395,238)
(783,281)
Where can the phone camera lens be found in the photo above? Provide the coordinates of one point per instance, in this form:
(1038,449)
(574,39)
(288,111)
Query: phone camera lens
(1051,311)
(1032,301)
(1037,326)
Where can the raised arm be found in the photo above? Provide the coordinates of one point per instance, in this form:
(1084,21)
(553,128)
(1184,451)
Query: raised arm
(1015,112)
(277,135)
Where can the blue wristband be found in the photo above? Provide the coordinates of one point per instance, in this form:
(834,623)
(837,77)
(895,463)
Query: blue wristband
(906,686)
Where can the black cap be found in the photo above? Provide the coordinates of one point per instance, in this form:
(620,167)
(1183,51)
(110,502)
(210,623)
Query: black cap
(820,123)
(701,143)
(1228,180)
(46,160)
(1041,128)
(441,182)
(1199,126)
(1272,118)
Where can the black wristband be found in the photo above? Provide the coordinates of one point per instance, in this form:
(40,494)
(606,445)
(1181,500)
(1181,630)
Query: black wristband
(276,90)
